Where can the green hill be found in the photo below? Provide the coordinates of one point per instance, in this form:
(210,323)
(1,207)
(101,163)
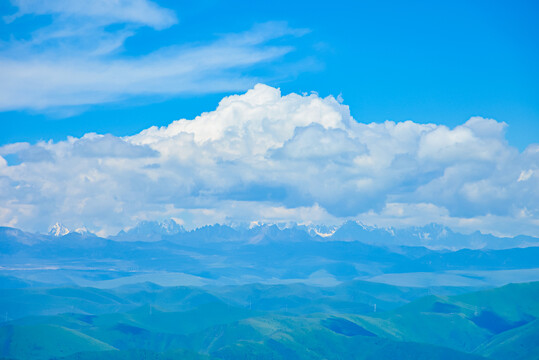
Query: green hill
(50,301)
(516,344)
(136,355)
(513,302)
(462,322)
(499,324)
(311,341)
(46,341)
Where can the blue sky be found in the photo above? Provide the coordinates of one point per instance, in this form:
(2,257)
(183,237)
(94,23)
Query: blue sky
(388,113)
(420,61)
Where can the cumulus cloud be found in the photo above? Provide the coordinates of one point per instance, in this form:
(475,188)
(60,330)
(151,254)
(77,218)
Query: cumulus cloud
(79,58)
(109,146)
(262,156)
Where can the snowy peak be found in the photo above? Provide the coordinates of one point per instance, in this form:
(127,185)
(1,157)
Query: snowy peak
(324,231)
(58,229)
(166,227)
(171,227)
(82,230)
(151,231)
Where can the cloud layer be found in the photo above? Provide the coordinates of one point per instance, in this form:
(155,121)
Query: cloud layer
(262,156)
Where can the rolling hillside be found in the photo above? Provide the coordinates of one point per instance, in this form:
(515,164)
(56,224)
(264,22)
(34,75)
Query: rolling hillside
(245,322)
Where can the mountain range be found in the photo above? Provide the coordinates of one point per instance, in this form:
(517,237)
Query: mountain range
(169,255)
(158,291)
(432,236)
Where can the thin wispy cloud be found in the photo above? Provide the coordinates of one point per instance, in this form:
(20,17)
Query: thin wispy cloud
(142,12)
(78,59)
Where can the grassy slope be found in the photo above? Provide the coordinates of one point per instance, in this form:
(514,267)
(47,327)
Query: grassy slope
(136,355)
(42,301)
(306,338)
(513,302)
(357,297)
(517,344)
(431,325)
(44,341)
(436,319)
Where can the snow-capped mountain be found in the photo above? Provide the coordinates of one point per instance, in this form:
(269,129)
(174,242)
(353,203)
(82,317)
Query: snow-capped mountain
(150,231)
(432,236)
(58,229)
(324,231)
(82,230)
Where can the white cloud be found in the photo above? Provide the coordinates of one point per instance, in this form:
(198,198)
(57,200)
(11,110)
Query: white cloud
(262,156)
(79,60)
(142,12)
(108,146)
(525,175)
